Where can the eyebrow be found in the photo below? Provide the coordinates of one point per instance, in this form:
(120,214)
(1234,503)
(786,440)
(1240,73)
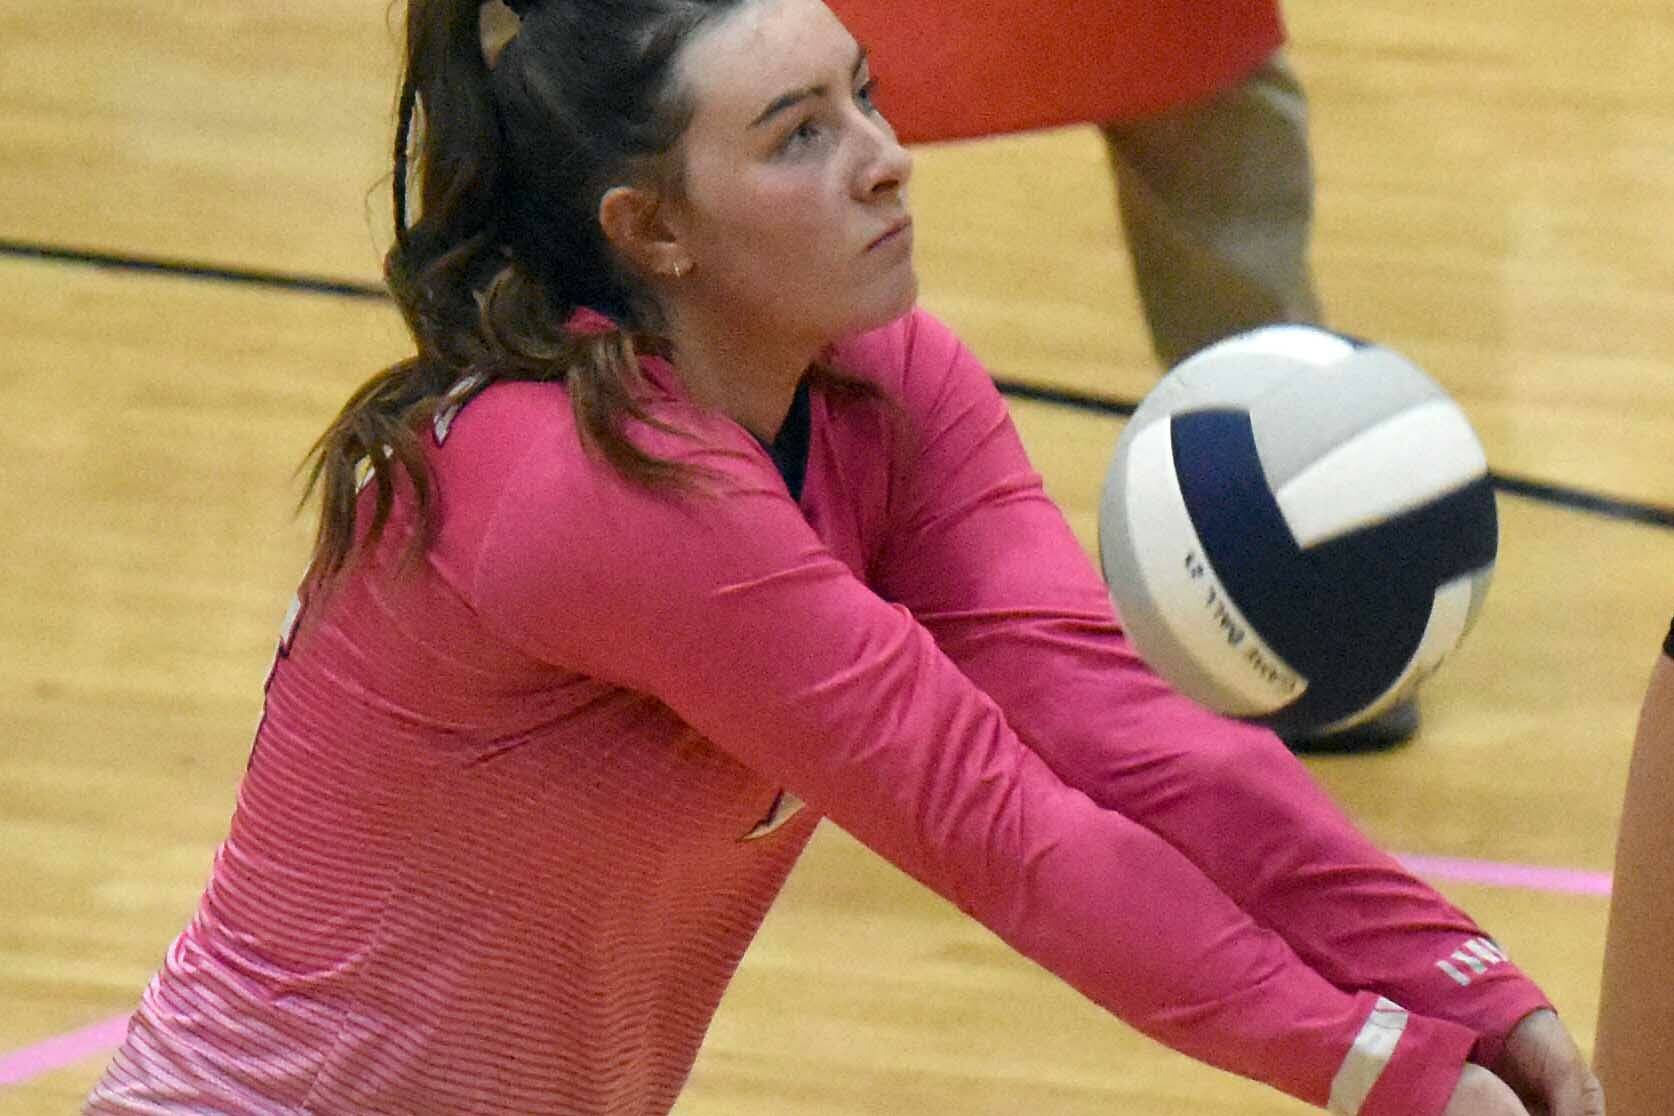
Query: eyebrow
(796,96)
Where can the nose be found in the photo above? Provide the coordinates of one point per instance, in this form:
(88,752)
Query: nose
(886,165)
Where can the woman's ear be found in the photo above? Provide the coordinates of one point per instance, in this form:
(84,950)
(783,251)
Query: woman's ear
(635,222)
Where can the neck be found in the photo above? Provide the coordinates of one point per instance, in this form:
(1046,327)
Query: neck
(749,377)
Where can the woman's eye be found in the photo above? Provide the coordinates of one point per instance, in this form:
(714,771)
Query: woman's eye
(803,133)
(812,129)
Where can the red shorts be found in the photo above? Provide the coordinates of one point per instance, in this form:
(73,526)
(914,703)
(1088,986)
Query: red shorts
(951,69)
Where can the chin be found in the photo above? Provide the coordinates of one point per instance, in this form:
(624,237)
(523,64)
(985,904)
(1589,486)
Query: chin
(884,304)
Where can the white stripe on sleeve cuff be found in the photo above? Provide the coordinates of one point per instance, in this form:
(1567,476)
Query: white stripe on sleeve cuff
(1367,1058)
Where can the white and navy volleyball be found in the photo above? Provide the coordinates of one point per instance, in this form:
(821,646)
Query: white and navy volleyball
(1297,527)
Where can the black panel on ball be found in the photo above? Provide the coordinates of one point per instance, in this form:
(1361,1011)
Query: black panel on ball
(1347,614)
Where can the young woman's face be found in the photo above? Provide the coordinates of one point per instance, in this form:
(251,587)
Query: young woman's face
(794,207)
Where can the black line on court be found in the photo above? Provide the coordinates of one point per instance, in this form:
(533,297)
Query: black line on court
(157,265)
(1565,496)
(1065,397)
(1577,499)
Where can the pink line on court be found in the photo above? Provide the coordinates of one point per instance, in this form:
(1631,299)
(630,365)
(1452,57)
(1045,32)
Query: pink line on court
(1490,873)
(53,1053)
(44,1057)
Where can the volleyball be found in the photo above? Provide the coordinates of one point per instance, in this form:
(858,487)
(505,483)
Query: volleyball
(1297,527)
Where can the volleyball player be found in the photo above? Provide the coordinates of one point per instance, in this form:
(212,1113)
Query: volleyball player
(1636,1011)
(682,517)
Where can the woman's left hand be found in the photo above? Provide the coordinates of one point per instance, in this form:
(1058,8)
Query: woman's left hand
(1542,1063)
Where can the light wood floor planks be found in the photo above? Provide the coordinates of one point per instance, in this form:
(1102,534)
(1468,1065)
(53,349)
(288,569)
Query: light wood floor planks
(1495,183)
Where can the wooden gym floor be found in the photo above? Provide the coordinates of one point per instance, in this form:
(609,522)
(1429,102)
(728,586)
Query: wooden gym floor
(1495,186)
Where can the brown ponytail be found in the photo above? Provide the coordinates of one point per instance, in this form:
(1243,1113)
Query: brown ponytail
(509,166)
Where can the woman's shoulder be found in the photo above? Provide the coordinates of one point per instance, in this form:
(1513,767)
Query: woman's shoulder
(501,413)
(507,419)
(524,437)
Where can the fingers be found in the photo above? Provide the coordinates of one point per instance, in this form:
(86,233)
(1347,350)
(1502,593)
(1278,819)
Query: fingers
(1481,1093)
(1592,1097)
(1545,1067)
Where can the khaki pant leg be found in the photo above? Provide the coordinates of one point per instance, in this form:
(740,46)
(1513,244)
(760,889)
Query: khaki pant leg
(1216,202)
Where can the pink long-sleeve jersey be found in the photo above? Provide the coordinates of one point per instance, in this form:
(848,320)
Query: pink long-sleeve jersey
(515,812)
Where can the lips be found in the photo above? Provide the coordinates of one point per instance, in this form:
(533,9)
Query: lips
(891,233)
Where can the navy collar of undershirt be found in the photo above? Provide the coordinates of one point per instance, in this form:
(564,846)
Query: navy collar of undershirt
(789,449)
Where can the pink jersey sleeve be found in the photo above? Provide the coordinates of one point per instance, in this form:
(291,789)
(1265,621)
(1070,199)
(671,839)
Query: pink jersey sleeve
(728,608)
(987,563)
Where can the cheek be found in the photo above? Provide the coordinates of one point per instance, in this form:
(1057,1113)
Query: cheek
(785,218)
